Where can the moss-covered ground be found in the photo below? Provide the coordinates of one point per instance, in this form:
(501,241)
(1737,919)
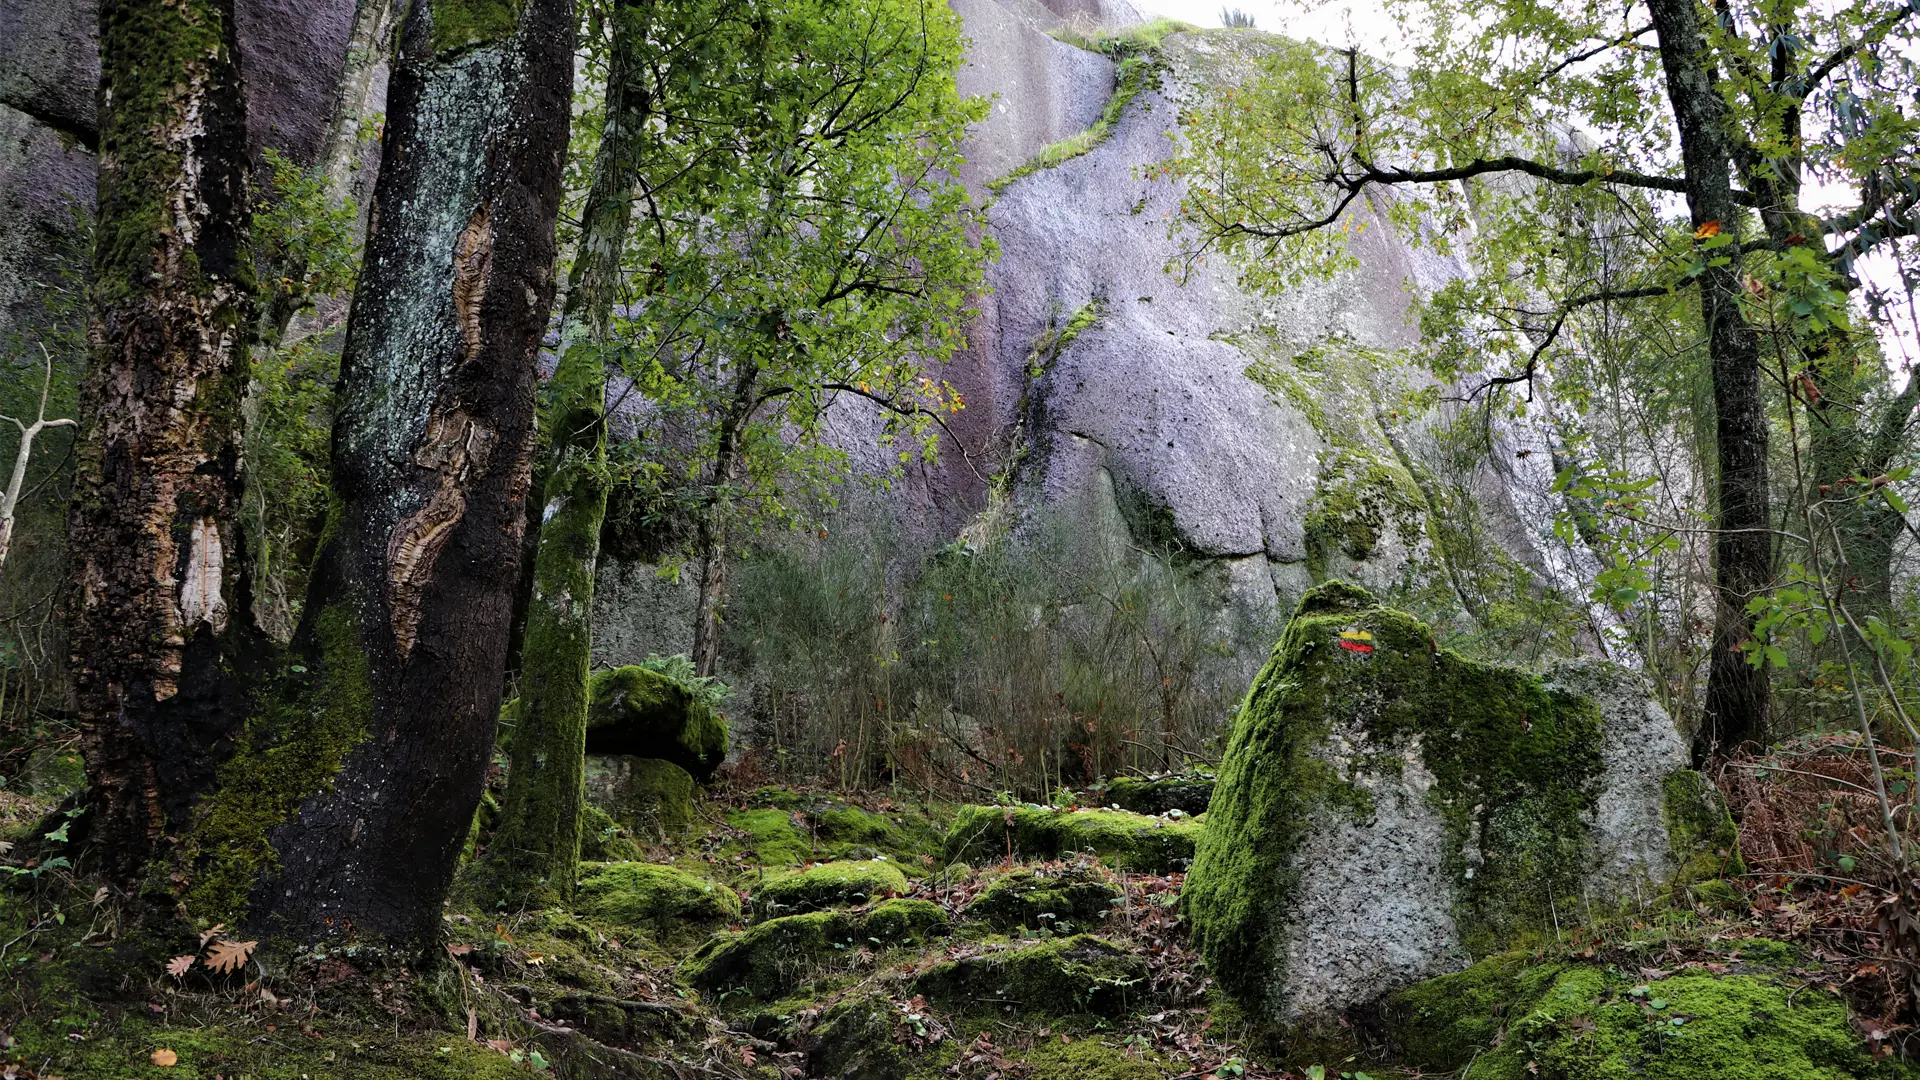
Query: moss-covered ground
(1047,965)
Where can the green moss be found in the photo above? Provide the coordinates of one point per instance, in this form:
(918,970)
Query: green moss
(769,960)
(664,902)
(462,24)
(316,714)
(1187,793)
(1359,497)
(1150,845)
(852,825)
(1090,1058)
(1137,72)
(771,837)
(644,713)
(902,920)
(831,884)
(603,839)
(1581,1022)
(1515,769)
(1705,843)
(647,795)
(1060,898)
(1060,977)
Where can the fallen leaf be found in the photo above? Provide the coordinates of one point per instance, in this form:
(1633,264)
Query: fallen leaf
(1711,228)
(165,1058)
(209,935)
(178,966)
(226,956)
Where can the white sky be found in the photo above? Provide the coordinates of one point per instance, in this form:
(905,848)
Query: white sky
(1340,23)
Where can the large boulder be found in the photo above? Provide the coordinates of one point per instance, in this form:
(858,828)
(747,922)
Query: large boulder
(640,712)
(1387,810)
(647,795)
(1141,843)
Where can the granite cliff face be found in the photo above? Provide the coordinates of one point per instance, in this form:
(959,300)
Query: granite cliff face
(1179,411)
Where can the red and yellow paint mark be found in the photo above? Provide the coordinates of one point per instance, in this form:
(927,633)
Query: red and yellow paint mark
(1356,641)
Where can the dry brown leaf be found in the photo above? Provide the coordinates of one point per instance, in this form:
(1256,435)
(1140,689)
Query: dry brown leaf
(178,966)
(165,1058)
(209,935)
(499,1045)
(226,956)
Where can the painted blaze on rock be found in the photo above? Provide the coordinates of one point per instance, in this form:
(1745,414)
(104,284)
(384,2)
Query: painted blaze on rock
(1387,809)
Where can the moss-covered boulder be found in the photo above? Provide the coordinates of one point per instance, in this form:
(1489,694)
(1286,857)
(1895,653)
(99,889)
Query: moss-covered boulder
(1057,977)
(1058,898)
(772,959)
(1137,842)
(1507,1019)
(603,839)
(902,921)
(650,796)
(1188,793)
(829,884)
(664,902)
(642,713)
(1385,805)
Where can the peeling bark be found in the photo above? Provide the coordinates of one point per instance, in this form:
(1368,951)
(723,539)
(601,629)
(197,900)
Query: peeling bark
(153,539)
(432,452)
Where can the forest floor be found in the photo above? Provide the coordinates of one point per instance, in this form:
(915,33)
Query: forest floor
(792,932)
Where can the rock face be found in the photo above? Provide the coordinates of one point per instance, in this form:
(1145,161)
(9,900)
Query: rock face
(1388,810)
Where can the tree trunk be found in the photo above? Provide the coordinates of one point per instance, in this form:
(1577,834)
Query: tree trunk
(155,591)
(364,767)
(1737,691)
(536,847)
(712,537)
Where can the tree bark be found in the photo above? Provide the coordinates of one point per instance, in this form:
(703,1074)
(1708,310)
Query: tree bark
(536,847)
(714,529)
(365,771)
(1737,691)
(155,591)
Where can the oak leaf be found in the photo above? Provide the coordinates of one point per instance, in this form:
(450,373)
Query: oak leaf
(226,956)
(178,966)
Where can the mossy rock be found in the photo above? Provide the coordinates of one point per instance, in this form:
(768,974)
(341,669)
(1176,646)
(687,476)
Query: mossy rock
(1384,805)
(603,839)
(903,921)
(651,796)
(1706,845)
(642,713)
(771,959)
(1057,977)
(1137,842)
(1187,793)
(664,902)
(625,1023)
(852,825)
(1504,1019)
(1056,898)
(772,839)
(829,884)
(867,1037)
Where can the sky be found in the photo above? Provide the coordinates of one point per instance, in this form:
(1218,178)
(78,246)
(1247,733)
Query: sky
(1340,23)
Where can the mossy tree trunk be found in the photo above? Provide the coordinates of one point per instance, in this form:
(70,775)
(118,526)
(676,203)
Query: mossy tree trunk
(536,847)
(155,594)
(1737,691)
(365,776)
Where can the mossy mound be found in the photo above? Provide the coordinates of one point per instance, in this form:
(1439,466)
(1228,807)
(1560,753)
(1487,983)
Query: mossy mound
(1390,766)
(1188,793)
(770,837)
(1706,844)
(1137,842)
(903,921)
(650,796)
(830,884)
(639,712)
(769,960)
(1061,898)
(666,903)
(1504,1019)
(1059,977)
